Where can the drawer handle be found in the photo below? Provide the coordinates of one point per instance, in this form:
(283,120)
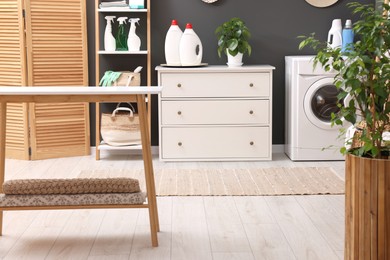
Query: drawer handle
(251,112)
(179,143)
(179,85)
(179,113)
(251,85)
(252,143)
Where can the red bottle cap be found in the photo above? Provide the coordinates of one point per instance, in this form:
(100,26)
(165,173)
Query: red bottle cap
(174,22)
(189,26)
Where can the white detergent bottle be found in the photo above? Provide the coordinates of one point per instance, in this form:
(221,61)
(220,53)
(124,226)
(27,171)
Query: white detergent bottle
(335,38)
(109,39)
(190,48)
(133,41)
(172,42)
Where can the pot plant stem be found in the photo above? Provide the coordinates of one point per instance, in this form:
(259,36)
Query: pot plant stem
(363,73)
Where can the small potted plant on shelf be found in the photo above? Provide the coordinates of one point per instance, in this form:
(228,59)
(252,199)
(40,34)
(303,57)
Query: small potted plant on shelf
(363,77)
(233,37)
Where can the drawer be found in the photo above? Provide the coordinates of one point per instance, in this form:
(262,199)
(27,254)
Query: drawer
(215,84)
(215,143)
(214,112)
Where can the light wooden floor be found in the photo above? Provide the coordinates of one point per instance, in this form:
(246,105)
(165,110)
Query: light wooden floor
(270,227)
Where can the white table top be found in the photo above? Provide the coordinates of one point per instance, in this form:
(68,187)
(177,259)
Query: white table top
(11,91)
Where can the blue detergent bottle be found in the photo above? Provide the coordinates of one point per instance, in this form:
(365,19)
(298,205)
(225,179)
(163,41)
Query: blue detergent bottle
(348,36)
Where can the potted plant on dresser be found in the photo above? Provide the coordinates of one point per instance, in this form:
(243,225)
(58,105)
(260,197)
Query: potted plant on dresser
(363,76)
(233,37)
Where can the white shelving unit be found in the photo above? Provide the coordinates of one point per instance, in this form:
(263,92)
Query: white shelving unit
(123,52)
(106,147)
(144,14)
(121,10)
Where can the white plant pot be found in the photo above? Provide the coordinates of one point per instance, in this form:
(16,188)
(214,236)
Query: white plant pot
(234,61)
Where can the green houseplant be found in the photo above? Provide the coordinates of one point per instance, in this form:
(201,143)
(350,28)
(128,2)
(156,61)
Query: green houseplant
(363,78)
(233,37)
(363,74)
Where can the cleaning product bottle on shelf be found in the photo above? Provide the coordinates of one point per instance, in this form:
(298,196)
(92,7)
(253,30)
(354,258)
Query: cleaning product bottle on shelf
(133,42)
(347,37)
(121,37)
(109,40)
(334,35)
(137,4)
(172,42)
(190,48)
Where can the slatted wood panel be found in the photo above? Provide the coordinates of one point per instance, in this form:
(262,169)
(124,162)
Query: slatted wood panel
(17,140)
(13,73)
(367,208)
(57,56)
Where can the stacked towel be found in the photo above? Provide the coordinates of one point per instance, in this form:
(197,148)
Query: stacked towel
(113,4)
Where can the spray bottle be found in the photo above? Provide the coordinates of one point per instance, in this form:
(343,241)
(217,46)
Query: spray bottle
(109,40)
(121,37)
(133,42)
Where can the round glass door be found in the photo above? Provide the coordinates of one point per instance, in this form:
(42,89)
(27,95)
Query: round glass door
(321,101)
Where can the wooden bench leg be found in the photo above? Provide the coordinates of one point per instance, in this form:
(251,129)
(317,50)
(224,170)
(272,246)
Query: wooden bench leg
(152,220)
(148,168)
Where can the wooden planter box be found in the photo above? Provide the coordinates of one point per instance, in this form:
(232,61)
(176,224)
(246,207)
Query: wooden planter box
(367,208)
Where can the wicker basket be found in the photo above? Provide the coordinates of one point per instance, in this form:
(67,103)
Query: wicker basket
(128,78)
(356,140)
(121,127)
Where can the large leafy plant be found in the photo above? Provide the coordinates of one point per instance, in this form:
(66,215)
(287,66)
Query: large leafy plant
(363,77)
(233,36)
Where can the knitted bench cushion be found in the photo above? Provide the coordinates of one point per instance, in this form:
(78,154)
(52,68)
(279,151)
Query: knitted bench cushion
(72,199)
(70,186)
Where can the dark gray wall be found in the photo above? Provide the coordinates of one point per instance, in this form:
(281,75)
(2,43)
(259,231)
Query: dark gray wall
(274,25)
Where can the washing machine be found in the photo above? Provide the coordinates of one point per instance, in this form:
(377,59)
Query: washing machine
(311,97)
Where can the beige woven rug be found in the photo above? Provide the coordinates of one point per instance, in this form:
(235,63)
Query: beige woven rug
(235,182)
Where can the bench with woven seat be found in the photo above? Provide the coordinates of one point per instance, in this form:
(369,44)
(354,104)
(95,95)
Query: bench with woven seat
(39,194)
(71,192)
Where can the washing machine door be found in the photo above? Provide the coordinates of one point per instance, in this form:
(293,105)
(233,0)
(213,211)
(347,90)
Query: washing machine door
(320,102)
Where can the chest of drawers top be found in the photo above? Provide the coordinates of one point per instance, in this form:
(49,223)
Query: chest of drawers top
(216,81)
(218,68)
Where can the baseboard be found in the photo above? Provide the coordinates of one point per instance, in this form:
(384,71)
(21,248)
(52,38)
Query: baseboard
(276,148)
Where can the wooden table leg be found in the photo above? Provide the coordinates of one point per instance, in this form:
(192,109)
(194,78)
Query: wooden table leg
(97,133)
(3,122)
(148,168)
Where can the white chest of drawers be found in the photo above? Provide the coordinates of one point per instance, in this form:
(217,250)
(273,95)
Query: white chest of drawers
(215,113)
